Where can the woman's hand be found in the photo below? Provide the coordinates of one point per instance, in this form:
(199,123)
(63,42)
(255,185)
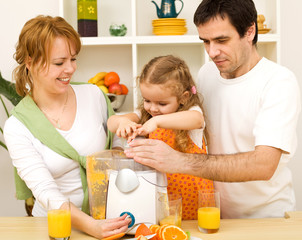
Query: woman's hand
(98,228)
(109,227)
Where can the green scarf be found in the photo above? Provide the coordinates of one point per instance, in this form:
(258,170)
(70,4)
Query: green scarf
(31,116)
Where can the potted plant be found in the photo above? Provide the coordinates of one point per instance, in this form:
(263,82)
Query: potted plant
(8,90)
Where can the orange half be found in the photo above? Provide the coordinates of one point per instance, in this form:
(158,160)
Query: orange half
(173,232)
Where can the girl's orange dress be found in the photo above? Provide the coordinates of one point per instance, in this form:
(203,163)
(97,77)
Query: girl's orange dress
(186,185)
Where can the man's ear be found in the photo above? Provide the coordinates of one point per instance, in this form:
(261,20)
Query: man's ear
(184,97)
(251,32)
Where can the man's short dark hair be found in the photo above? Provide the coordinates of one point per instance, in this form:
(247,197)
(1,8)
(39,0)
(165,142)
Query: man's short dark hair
(241,13)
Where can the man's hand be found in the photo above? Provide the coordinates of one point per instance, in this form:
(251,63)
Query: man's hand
(156,154)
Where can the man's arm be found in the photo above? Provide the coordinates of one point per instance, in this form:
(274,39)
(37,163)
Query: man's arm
(259,164)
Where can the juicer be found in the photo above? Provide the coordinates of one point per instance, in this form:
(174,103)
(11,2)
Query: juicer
(119,185)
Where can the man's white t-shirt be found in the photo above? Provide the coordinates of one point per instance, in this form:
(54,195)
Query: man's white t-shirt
(258,108)
(47,173)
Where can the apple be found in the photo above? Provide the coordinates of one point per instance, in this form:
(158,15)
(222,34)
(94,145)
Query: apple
(115,88)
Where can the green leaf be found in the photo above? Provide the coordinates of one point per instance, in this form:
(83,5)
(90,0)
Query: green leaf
(189,235)
(8,90)
(3,145)
(4,106)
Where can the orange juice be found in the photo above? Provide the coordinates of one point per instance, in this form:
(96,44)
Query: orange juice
(59,223)
(208,219)
(172,219)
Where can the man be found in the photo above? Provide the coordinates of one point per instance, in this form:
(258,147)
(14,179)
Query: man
(252,106)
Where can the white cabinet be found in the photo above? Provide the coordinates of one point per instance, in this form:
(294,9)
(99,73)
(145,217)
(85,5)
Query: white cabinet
(127,55)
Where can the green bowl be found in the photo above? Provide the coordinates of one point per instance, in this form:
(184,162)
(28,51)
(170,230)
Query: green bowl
(118,30)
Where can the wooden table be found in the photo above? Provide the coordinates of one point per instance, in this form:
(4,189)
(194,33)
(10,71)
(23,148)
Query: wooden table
(288,228)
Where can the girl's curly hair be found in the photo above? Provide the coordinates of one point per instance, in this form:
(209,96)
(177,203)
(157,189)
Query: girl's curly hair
(174,74)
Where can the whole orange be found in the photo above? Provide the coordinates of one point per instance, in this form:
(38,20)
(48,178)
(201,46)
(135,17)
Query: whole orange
(125,89)
(110,78)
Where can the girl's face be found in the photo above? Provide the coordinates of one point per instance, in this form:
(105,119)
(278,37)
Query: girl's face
(55,78)
(158,100)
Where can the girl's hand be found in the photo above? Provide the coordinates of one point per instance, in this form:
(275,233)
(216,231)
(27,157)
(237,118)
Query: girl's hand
(126,128)
(148,127)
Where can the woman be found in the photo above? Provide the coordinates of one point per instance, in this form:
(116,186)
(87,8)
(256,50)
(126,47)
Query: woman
(56,124)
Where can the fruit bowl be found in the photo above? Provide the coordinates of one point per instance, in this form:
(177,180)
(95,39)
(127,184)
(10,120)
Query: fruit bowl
(117,101)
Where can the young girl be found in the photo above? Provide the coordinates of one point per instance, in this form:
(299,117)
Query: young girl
(171,111)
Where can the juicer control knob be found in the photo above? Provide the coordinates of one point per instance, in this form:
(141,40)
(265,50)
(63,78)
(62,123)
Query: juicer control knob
(131,216)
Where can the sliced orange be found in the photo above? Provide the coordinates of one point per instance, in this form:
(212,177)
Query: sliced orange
(154,228)
(160,230)
(141,237)
(143,230)
(173,232)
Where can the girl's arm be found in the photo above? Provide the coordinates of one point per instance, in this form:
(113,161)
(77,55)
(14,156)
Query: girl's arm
(184,120)
(123,125)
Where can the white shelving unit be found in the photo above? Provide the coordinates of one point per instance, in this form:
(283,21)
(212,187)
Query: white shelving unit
(127,55)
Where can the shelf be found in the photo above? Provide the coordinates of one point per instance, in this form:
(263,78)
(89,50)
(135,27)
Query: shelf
(268,37)
(175,39)
(127,55)
(94,41)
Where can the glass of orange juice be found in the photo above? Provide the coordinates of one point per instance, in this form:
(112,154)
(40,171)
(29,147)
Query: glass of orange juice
(169,209)
(59,219)
(208,211)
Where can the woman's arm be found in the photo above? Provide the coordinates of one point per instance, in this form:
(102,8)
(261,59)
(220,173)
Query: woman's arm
(32,168)
(97,228)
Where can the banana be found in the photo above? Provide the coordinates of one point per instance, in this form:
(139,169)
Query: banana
(100,82)
(104,89)
(99,76)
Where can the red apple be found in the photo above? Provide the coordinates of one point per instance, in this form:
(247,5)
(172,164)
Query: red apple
(115,88)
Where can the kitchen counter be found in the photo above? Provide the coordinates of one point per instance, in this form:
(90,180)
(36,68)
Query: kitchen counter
(289,227)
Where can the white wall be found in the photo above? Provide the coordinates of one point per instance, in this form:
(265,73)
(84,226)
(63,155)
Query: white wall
(291,52)
(15,13)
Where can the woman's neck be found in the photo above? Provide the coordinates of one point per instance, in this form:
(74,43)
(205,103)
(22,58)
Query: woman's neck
(50,102)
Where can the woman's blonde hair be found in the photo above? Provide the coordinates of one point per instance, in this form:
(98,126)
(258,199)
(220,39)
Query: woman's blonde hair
(173,73)
(35,42)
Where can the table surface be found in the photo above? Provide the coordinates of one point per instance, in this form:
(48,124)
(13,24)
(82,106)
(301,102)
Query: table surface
(289,228)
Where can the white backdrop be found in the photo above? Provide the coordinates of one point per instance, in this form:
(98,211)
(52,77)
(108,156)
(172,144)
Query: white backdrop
(15,13)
